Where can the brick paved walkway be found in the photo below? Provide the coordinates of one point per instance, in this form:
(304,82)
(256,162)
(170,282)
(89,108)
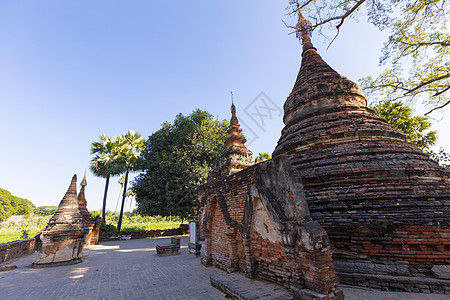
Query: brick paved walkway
(131,270)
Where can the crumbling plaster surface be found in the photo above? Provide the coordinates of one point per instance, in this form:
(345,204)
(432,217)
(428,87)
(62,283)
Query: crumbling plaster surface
(262,223)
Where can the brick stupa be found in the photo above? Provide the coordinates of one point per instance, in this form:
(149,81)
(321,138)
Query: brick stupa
(383,202)
(236,157)
(62,241)
(92,236)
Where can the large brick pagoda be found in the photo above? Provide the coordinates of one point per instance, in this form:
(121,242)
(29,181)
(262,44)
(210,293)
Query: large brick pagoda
(384,204)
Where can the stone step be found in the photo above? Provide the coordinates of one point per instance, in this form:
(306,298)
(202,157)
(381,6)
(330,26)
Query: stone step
(242,288)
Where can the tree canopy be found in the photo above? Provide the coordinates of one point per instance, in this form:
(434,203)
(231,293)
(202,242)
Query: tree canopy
(416,128)
(176,161)
(128,149)
(104,162)
(13,205)
(416,54)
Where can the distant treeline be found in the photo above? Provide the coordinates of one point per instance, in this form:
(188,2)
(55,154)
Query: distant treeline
(13,205)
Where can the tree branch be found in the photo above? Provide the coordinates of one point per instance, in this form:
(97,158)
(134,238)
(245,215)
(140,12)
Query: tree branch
(288,26)
(303,6)
(439,107)
(399,85)
(441,92)
(421,44)
(343,17)
(427,82)
(445,44)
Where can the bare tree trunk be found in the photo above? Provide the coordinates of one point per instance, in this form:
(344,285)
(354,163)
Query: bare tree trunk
(119,224)
(104,199)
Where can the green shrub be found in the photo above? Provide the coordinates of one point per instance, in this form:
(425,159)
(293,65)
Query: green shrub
(95,214)
(107,227)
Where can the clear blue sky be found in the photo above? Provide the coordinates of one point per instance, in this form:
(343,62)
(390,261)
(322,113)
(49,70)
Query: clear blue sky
(73,70)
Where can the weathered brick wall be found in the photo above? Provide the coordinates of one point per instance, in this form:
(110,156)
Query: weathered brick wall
(95,234)
(272,250)
(219,218)
(234,189)
(16,249)
(269,257)
(272,261)
(421,246)
(221,244)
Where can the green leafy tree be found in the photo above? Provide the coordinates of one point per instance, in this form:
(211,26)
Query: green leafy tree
(416,54)
(130,146)
(416,128)
(264,156)
(176,161)
(13,205)
(105,162)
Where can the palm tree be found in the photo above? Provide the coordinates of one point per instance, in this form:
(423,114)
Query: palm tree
(105,162)
(130,147)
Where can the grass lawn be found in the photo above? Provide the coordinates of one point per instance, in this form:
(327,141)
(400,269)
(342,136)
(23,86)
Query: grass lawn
(13,235)
(149,226)
(14,232)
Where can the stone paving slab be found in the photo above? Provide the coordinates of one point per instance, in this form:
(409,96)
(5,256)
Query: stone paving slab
(361,293)
(243,288)
(115,270)
(131,270)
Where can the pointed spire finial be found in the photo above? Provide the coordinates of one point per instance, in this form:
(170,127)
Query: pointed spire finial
(232,102)
(84,182)
(234,120)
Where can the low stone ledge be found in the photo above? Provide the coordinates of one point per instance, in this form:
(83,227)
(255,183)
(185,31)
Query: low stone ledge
(57,264)
(441,271)
(371,268)
(248,289)
(306,294)
(119,235)
(7,268)
(16,249)
(170,249)
(397,283)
